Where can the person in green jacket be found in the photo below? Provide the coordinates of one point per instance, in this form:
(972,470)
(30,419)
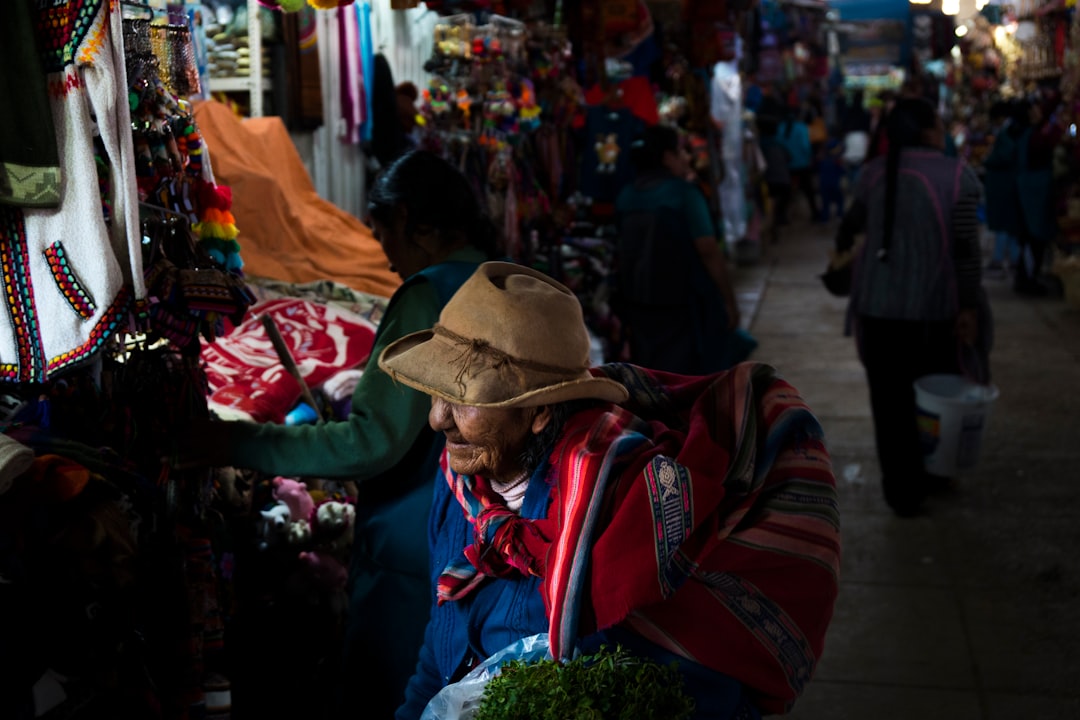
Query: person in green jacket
(430,224)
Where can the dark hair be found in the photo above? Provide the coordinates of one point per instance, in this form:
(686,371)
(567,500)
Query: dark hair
(436,196)
(409,90)
(906,123)
(647,152)
(539,446)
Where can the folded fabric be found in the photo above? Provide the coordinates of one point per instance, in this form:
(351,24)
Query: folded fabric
(342,385)
(15,459)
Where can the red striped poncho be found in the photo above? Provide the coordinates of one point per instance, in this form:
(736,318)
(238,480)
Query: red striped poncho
(701,514)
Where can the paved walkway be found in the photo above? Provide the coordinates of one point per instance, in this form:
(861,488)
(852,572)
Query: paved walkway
(972,610)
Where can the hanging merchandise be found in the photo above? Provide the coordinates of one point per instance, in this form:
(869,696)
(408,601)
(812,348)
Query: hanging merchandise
(191,254)
(605,165)
(115,567)
(727,114)
(30,171)
(89,248)
(175,53)
(491,104)
(291,6)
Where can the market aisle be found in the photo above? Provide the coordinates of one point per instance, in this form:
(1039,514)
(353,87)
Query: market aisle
(969,611)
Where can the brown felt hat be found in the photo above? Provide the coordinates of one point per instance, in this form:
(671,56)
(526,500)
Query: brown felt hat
(510,337)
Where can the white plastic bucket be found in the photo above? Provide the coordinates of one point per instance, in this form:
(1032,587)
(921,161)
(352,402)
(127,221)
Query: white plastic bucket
(951,413)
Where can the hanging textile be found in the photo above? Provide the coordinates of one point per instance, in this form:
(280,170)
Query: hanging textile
(88,249)
(367,67)
(29,163)
(351,78)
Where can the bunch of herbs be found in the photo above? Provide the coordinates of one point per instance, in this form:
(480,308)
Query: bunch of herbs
(610,685)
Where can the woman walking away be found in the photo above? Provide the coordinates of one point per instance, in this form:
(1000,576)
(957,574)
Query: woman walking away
(916,305)
(675,296)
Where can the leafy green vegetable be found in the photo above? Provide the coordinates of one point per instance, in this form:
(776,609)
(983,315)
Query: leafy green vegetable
(610,685)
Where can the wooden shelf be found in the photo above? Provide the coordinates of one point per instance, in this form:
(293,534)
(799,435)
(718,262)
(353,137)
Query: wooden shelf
(254,85)
(241,83)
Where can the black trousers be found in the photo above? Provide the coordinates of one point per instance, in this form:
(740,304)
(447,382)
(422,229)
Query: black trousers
(1027,277)
(803,182)
(895,353)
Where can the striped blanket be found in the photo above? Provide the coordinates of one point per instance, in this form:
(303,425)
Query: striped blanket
(701,515)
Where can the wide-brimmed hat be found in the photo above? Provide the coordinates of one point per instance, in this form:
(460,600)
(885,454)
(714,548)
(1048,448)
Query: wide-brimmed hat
(510,337)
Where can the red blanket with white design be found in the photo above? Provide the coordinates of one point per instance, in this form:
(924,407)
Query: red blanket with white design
(246,377)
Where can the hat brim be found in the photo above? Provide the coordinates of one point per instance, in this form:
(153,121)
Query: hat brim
(429,363)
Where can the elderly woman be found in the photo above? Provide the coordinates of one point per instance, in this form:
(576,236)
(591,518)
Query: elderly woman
(577,502)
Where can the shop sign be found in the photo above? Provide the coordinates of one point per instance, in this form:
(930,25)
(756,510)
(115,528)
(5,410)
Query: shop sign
(872,42)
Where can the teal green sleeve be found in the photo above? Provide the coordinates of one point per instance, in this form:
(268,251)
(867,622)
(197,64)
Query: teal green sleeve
(697,213)
(386,417)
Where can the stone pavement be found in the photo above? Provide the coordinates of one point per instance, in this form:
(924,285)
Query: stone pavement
(970,611)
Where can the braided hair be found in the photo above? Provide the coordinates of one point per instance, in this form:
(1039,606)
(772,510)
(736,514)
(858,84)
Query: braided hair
(906,125)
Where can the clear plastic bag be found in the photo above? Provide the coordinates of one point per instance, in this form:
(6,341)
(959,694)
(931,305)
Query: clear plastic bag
(461,700)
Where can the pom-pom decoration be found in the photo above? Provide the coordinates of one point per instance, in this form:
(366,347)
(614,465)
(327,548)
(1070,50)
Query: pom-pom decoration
(217,227)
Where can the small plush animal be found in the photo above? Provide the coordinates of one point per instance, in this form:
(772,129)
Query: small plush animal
(294,494)
(333,522)
(275,523)
(327,570)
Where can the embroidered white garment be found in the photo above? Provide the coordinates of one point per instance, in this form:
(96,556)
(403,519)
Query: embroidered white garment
(70,274)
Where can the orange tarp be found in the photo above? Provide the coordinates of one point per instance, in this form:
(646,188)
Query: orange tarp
(287,232)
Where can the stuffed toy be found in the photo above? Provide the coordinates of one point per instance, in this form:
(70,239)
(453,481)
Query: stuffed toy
(333,522)
(294,524)
(298,532)
(326,569)
(294,494)
(275,523)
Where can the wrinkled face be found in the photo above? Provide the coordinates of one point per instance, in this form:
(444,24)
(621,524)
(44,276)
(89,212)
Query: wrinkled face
(486,441)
